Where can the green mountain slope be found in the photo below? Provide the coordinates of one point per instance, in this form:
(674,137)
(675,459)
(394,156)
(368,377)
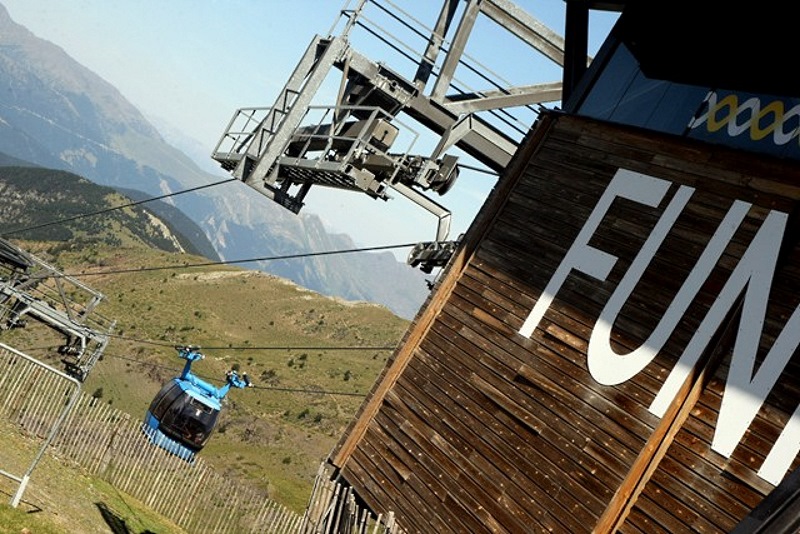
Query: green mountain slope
(63,500)
(52,205)
(312,358)
(57,113)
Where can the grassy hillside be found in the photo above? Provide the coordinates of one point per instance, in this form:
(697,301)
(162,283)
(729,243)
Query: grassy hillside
(64,500)
(33,201)
(285,337)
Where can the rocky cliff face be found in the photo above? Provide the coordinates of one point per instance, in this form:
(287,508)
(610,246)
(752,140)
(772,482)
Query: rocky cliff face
(58,114)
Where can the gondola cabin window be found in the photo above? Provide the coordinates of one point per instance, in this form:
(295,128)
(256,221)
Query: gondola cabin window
(183,414)
(171,391)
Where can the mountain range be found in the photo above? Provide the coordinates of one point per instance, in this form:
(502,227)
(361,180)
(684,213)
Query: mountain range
(55,113)
(32,198)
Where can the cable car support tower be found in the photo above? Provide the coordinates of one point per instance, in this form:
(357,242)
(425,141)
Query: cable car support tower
(32,288)
(364,141)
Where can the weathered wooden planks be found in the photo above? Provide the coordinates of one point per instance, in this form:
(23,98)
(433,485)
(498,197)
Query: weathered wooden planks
(481,428)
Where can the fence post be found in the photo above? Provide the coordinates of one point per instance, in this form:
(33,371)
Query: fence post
(109,453)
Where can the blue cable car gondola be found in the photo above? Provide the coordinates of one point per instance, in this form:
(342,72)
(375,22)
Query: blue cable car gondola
(183,414)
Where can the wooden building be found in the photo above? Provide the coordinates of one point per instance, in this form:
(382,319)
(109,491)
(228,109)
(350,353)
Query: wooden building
(614,345)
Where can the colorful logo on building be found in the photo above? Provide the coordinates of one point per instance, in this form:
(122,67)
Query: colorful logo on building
(755,119)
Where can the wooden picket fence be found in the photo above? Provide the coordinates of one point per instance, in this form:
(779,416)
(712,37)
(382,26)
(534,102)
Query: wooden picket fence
(333,509)
(111,445)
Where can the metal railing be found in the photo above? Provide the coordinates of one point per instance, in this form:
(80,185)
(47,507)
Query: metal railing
(49,409)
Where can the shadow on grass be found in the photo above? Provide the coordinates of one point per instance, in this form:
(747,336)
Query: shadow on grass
(115,522)
(27,506)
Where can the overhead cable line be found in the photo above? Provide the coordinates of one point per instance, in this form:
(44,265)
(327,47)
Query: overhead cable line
(185,265)
(270,347)
(114,208)
(478,169)
(311,391)
(234,262)
(270,388)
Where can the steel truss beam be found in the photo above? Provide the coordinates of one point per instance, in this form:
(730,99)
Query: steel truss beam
(273,151)
(29,287)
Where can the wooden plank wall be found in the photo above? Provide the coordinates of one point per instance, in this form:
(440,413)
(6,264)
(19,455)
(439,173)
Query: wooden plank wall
(477,427)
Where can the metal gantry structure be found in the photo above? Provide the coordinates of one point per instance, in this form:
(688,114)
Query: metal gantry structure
(365,140)
(32,288)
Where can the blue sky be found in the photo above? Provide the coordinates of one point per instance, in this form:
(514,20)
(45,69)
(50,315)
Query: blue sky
(192,63)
